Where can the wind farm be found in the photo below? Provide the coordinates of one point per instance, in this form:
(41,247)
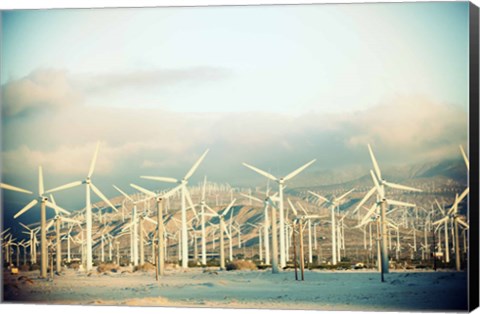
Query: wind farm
(325,240)
(183,169)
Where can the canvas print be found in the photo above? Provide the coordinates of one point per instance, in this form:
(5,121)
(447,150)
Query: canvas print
(310,156)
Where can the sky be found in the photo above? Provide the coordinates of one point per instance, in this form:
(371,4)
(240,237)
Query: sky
(273,86)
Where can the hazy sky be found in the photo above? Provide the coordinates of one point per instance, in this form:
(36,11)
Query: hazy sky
(275,86)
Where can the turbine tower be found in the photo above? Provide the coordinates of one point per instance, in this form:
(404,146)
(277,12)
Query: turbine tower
(281,183)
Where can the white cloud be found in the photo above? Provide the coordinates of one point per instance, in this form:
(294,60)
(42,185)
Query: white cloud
(42,89)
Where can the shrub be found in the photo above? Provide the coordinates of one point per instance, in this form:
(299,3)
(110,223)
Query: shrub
(74,265)
(145,267)
(35,267)
(102,268)
(24,267)
(241,265)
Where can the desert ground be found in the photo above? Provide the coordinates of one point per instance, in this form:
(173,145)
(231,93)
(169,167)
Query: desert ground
(351,290)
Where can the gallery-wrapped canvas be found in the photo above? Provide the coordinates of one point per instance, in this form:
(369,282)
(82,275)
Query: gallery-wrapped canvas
(303,156)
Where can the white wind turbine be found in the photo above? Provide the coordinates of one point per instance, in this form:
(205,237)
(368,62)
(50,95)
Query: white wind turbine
(223,229)
(266,240)
(380,184)
(88,210)
(453,216)
(333,203)
(447,247)
(32,233)
(44,202)
(160,222)
(134,226)
(184,194)
(281,183)
(305,218)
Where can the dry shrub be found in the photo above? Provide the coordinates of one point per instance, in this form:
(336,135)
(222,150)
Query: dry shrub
(24,267)
(145,267)
(34,267)
(74,265)
(104,267)
(241,265)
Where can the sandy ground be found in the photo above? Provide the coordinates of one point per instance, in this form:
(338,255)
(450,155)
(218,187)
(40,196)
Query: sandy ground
(321,290)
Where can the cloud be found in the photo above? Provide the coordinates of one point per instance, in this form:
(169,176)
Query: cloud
(157,78)
(409,125)
(41,90)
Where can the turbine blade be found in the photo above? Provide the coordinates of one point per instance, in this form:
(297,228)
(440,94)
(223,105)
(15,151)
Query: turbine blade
(295,172)
(467,163)
(57,208)
(27,207)
(64,187)
(263,173)
(172,191)
(14,188)
(195,166)
(203,188)
(292,207)
(225,230)
(143,190)
(377,185)
(401,187)
(364,199)
(229,206)
(123,193)
(189,199)
(24,226)
(94,161)
(454,207)
(161,179)
(464,193)
(344,195)
(400,203)
(5,231)
(100,194)
(440,221)
(440,207)
(463,223)
(370,212)
(375,164)
(210,209)
(301,207)
(319,196)
(70,220)
(253,198)
(151,220)
(49,225)
(41,190)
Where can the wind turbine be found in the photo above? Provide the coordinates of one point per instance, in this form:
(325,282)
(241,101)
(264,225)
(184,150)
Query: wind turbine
(185,194)
(88,210)
(160,224)
(333,203)
(44,202)
(32,233)
(452,216)
(223,228)
(134,225)
(305,218)
(380,184)
(281,182)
